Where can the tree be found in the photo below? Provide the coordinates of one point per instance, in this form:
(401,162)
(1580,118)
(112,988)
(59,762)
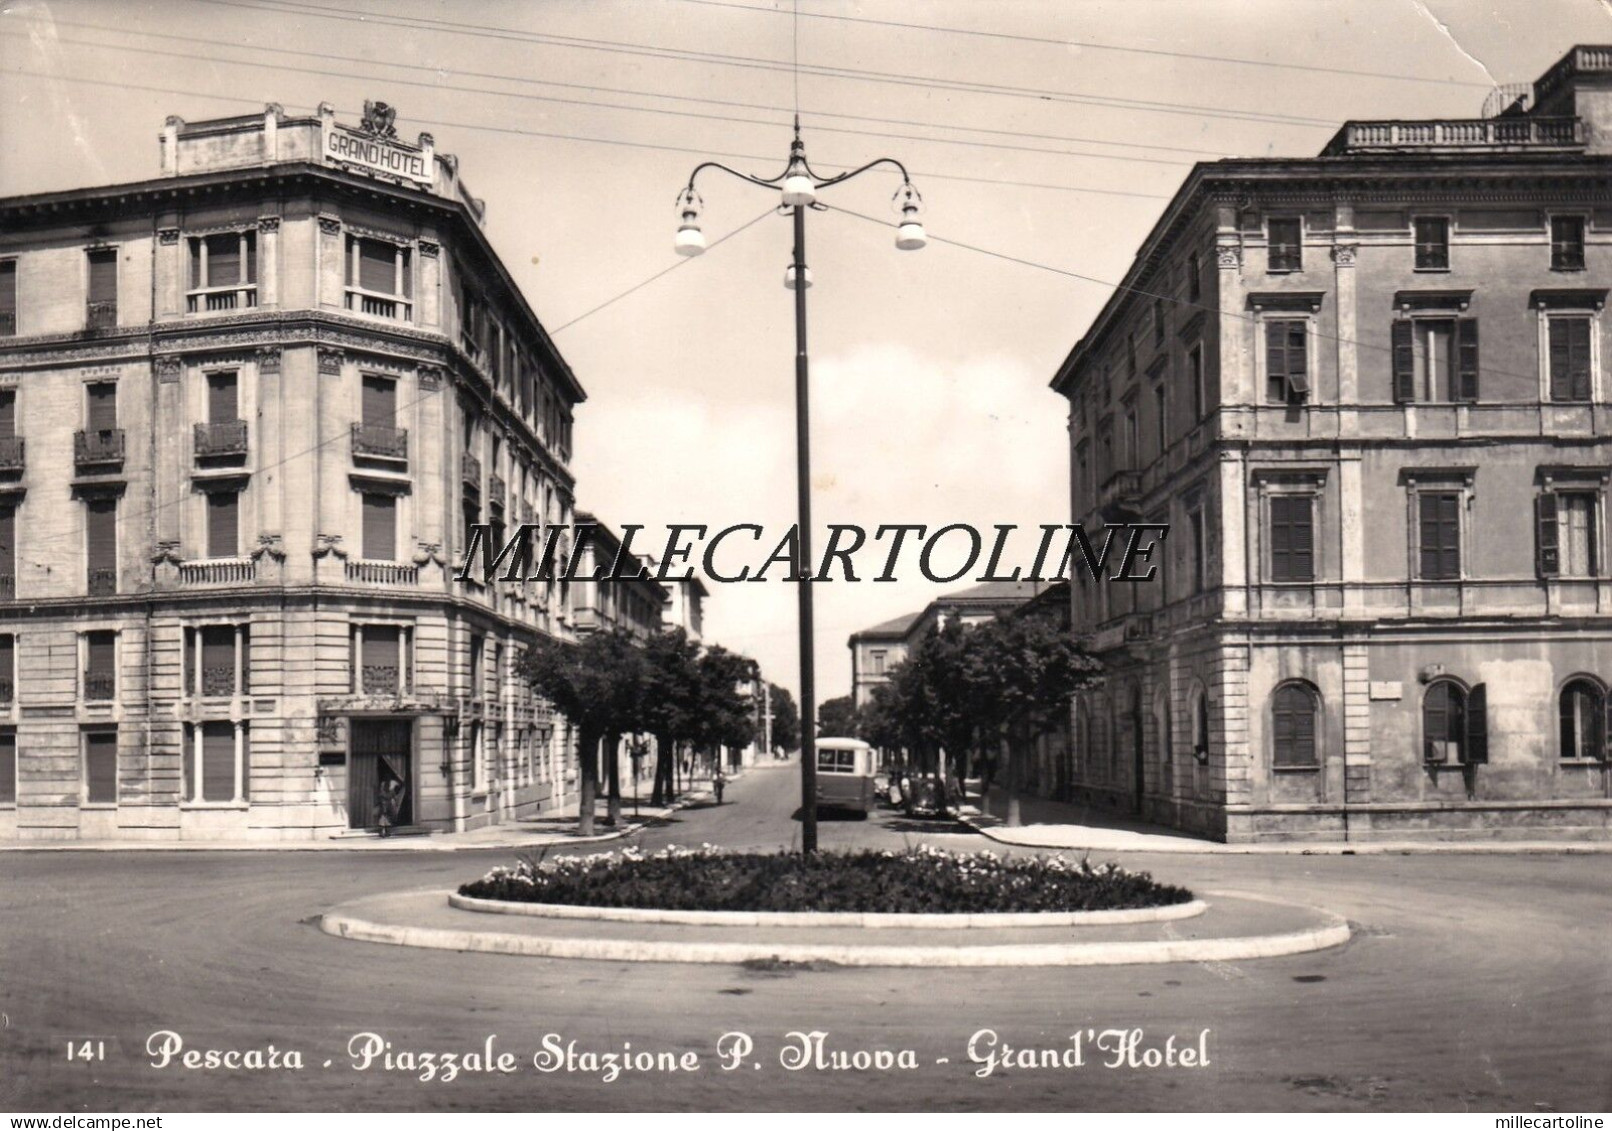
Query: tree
(785,719)
(725,716)
(836,717)
(671,703)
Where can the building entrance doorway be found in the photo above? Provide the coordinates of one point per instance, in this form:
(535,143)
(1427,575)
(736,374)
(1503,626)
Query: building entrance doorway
(381,754)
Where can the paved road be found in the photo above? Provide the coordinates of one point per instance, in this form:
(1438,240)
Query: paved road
(1474,982)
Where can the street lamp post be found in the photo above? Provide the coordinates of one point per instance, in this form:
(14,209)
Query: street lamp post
(799,185)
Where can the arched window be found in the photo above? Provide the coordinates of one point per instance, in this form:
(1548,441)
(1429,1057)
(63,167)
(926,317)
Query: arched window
(1584,719)
(1200,725)
(1455,727)
(1294,708)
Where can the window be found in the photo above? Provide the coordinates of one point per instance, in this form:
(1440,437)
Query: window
(100,665)
(1195,386)
(381,659)
(1287,379)
(1158,321)
(218,660)
(223,272)
(477,648)
(8,767)
(8,670)
(101,309)
(379,280)
(1435,359)
(101,414)
(223,397)
(8,297)
(8,552)
(1432,243)
(1440,536)
(836,761)
(1292,519)
(1293,712)
(1455,726)
(876,660)
(1194,277)
(101,545)
(1132,437)
(1567,243)
(380,527)
(217,763)
(1286,241)
(223,523)
(1200,726)
(100,780)
(1197,547)
(1567,533)
(1584,720)
(1569,357)
(1161,418)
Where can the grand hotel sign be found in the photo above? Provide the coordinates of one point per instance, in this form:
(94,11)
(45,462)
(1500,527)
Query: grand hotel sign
(374,146)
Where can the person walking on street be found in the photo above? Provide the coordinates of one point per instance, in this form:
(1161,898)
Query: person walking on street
(717,784)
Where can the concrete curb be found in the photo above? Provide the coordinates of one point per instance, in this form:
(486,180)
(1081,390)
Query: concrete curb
(872,920)
(1182,846)
(1333,932)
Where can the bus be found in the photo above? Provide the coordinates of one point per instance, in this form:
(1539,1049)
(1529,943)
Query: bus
(845,775)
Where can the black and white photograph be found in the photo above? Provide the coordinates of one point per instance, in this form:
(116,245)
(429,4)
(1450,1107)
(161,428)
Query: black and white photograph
(916,557)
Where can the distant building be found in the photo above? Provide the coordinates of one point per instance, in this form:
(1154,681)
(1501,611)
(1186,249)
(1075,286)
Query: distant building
(248,411)
(635,606)
(1369,392)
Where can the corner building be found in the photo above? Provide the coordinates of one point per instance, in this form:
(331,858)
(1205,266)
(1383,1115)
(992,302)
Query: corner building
(247,410)
(1370,394)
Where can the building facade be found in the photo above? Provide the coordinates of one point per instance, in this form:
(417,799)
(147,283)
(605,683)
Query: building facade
(1369,393)
(248,411)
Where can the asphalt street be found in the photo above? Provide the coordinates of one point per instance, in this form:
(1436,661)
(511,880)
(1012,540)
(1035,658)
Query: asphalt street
(1473,982)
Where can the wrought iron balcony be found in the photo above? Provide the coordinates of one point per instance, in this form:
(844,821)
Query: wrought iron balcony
(380,441)
(98,685)
(1120,496)
(11,453)
(470,470)
(103,581)
(218,681)
(221,438)
(496,488)
(380,679)
(101,315)
(102,446)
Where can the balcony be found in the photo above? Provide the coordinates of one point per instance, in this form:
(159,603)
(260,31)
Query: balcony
(222,438)
(101,315)
(218,682)
(220,300)
(11,454)
(1120,497)
(380,306)
(470,470)
(1457,135)
(380,679)
(218,571)
(104,446)
(98,685)
(103,581)
(496,488)
(382,573)
(380,441)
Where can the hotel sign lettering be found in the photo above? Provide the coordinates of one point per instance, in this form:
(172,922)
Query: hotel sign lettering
(380,155)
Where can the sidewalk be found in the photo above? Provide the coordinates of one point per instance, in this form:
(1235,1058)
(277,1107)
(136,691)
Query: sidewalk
(552,830)
(1058,825)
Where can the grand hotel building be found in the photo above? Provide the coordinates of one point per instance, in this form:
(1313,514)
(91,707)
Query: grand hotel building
(1370,393)
(247,409)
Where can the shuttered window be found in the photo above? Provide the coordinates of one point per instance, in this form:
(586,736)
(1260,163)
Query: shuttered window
(380,654)
(8,297)
(378,266)
(104,275)
(101,767)
(1286,364)
(1293,711)
(223,524)
(1195,387)
(101,533)
(1455,724)
(1440,546)
(1583,721)
(1570,359)
(8,550)
(223,398)
(100,662)
(8,669)
(8,413)
(380,401)
(380,527)
(103,406)
(218,762)
(218,660)
(1292,538)
(8,767)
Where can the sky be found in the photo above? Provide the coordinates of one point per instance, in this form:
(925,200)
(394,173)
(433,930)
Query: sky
(1052,131)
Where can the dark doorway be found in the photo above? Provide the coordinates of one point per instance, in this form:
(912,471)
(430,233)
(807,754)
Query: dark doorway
(1138,770)
(382,751)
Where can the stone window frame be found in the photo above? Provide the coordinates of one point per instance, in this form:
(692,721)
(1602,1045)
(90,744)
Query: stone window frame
(1269,482)
(1318,716)
(1584,218)
(1584,480)
(407,660)
(1419,481)
(242,630)
(1271,307)
(1603,694)
(191,792)
(1571,305)
(1284,217)
(1449,242)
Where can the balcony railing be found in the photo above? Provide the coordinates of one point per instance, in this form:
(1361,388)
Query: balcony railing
(380,306)
(218,681)
(1457,135)
(103,581)
(1120,495)
(382,573)
(101,315)
(218,571)
(226,298)
(11,453)
(221,438)
(102,446)
(470,470)
(380,679)
(496,488)
(98,685)
(1584,59)
(380,441)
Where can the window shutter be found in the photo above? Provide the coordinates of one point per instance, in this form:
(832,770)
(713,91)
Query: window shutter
(1606,728)
(1548,551)
(218,653)
(103,406)
(8,288)
(250,240)
(195,262)
(8,413)
(380,646)
(1303,730)
(222,401)
(380,527)
(377,267)
(223,524)
(101,767)
(101,533)
(100,652)
(8,767)
(1578,357)
(1435,722)
(1467,345)
(1429,535)
(103,276)
(223,259)
(1281,541)
(218,761)
(380,401)
(8,541)
(1449,536)
(1477,725)
(1404,362)
(1561,386)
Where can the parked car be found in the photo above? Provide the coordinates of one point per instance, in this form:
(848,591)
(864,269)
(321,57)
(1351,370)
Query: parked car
(923,795)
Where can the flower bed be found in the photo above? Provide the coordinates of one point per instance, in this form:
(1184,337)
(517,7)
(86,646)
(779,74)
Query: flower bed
(923,880)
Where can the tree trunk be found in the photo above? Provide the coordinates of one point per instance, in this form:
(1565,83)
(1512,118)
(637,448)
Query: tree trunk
(1015,775)
(612,747)
(588,764)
